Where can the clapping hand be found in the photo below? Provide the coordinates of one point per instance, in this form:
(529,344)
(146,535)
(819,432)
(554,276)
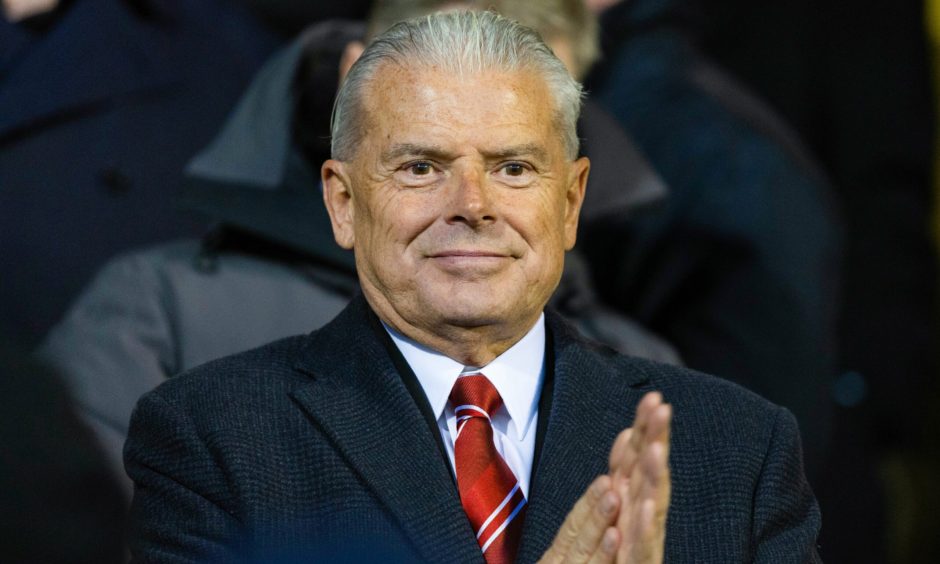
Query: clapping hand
(622,516)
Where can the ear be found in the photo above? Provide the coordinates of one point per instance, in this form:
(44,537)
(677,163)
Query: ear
(337,196)
(350,55)
(574,197)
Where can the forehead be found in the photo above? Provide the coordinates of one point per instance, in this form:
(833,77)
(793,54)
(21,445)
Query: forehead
(487,107)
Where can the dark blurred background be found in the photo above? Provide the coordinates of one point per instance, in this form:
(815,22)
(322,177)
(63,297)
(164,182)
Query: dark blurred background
(103,103)
(858,82)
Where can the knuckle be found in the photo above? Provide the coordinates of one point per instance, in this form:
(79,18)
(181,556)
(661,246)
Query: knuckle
(581,552)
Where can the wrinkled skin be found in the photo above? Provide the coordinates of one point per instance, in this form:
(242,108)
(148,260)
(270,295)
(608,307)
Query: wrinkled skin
(459,204)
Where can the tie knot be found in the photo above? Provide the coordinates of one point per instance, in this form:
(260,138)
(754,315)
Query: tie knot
(474,395)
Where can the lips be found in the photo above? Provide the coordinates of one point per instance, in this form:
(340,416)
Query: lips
(470,262)
(469,254)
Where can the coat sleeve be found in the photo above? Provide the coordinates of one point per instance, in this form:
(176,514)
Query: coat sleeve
(115,344)
(182,507)
(786,517)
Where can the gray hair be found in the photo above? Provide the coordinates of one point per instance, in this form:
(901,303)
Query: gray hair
(568,20)
(460,43)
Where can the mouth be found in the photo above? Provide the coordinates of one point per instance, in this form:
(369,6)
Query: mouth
(461,253)
(463,261)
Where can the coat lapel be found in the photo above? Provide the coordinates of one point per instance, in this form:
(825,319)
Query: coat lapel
(360,403)
(594,399)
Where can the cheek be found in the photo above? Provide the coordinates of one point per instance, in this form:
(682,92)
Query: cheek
(554,234)
(543,224)
(393,220)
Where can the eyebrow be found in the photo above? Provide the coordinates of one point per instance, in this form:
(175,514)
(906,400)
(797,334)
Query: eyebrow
(532,149)
(400,150)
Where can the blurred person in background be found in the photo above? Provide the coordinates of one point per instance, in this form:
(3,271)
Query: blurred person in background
(739,266)
(288,18)
(102,103)
(753,219)
(59,498)
(856,85)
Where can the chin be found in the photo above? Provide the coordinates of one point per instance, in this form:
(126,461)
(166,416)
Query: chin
(476,310)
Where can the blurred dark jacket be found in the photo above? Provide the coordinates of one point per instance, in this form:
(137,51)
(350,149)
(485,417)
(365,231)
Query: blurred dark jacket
(272,268)
(739,268)
(60,499)
(101,106)
(856,83)
(858,86)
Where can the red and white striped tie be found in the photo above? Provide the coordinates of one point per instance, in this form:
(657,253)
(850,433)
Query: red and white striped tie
(489,491)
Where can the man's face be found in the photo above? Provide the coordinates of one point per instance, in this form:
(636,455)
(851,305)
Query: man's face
(459,202)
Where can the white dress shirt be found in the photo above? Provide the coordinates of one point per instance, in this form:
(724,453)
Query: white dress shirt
(517,375)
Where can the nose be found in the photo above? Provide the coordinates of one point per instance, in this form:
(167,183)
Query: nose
(471,200)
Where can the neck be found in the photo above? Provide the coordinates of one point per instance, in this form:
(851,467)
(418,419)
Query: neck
(471,346)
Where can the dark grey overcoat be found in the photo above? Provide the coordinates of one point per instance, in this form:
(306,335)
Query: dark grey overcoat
(315,443)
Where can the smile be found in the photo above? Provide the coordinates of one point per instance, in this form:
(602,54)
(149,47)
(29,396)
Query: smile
(463,261)
(469,254)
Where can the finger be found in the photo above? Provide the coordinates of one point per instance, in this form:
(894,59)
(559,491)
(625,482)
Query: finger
(645,534)
(652,474)
(659,422)
(644,540)
(630,442)
(618,452)
(652,534)
(658,434)
(648,403)
(641,422)
(656,431)
(591,535)
(644,549)
(607,551)
(575,519)
(652,467)
(659,479)
(643,513)
(654,459)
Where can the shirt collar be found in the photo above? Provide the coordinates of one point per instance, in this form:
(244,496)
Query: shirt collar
(517,374)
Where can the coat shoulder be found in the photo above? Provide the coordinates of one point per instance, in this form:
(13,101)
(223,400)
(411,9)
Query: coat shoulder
(257,374)
(721,407)
(716,403)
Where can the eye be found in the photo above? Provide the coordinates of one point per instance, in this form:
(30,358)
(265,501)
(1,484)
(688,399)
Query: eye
(516,173)
(421,168)
(418,173)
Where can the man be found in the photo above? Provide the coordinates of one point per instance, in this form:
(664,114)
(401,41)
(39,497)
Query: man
(736,268)
(442,415)
(271,268)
